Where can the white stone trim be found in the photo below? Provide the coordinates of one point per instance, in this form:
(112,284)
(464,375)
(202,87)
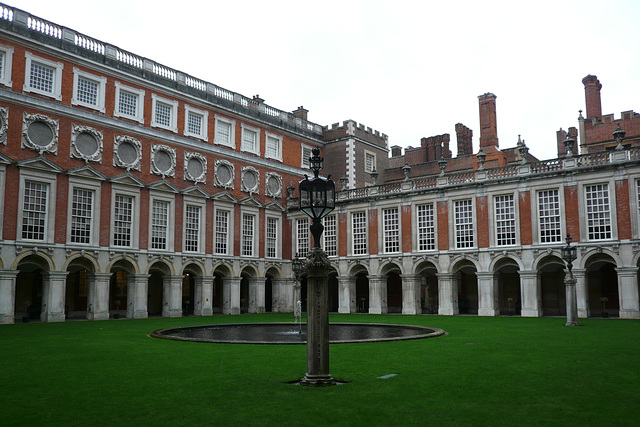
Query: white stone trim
(50,218)
(218,183)
(232,131)
(4,125)
(279,138)
(203,160)
(75,153)
(171,152)
(102,84)
(91,185)
(278,218)
(205,122)
(202,232)
(246,129)
(27,120)
(244,186)
(5,76)
(125,190)
(173,126)
(117,160)
(57,67)
(160,196)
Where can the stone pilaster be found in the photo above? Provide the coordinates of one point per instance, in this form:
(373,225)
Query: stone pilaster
(281,295)
(7,296)
(411,294)
(531,292)
(581,292)
(174,297)
(54,285)
(572,302)
(203,295)
(231,292)
(488,294)
(98,296)
(256,295)
(377,294)
(138,285)
(628,292)
(347,294)
(447,295)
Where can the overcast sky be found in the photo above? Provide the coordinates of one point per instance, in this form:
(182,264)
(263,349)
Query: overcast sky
(410,69)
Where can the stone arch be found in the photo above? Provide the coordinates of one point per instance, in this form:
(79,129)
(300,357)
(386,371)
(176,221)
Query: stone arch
(599,253)
(551,273)
(29,290)
(120,286)
(80,283)
(272,292)
(88,260)
(393,287)
(506,270)
(221,294)
(248,289)
(429,295)
(465,283)
(361,273)
(602,288)
(126,263)
(39,258)
(463,262)
(332,283)
(158,288)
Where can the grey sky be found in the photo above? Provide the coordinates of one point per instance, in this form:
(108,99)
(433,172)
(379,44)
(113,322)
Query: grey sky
(409,69)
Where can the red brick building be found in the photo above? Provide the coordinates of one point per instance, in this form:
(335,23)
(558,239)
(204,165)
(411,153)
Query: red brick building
(132,189)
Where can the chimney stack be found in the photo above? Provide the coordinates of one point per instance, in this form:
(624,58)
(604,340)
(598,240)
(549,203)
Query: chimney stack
(301,113)
(592,88)
(464,136)
(488,124)
(561,135)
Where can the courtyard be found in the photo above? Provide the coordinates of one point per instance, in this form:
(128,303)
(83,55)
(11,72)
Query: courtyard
(485,371)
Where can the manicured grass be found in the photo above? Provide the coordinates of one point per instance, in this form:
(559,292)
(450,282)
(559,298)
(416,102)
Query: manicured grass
(486,371)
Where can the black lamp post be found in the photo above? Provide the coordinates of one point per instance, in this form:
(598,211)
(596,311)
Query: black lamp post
(569,254)
(317,200)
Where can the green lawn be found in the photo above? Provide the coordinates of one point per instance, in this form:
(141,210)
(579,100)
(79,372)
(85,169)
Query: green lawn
(486,371)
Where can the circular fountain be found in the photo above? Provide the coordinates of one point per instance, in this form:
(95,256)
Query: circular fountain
(290,333)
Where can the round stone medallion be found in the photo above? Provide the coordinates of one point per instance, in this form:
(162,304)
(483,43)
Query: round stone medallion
(274,185)
(162,160)
(224,174)
(86,144)
(127,153)
(250,179)
(40,133)
(195,167)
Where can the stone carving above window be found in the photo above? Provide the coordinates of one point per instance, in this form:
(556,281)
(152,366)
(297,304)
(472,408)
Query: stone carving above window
(40,133)
(163,160)
(127,152)
(250,179)
(273,185)
(86,144)
(4,124)
(195,167)
(224,174)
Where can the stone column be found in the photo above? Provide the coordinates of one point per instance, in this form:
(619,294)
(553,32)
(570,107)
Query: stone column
(447,294)
(531,294)
(572,303)
(54,285)
(281,295)
(138,289)
(231,293)
(203,305)
(377,294)
(488,294)
(411,294)
(347,294)
(581,292)
(628,292)
(317,267)
(175,295)
(8,296)
(256,294)
(98,297)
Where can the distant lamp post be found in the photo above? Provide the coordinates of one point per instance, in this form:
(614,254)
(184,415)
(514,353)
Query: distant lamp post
(297,265)
(569,254)
(317,200)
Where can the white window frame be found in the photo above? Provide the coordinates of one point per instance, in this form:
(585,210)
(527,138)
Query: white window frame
(373,161)
(163,197)
(256,232)
(139,116)
(246,129)
(232,131)
(559,216)
(29,175)
(99,80)
(201,203)
(57,67)
(430,232)
(95,187)
(229,230)
(188,110)
(135,226)
(303,237)
(494,220)
(352,235)
(613,233)
(277,240)
(454,229)
(5,75)
(173,119)
(268,136)
(330,233)
(391,233)
(304,160)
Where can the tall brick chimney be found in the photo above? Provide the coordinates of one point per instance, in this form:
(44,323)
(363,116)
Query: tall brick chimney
(561,135)
(301,113)
(464,136)
(488,124)
(592,88)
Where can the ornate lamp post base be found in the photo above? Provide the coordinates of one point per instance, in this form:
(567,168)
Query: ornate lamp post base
(572,307)
(317,266)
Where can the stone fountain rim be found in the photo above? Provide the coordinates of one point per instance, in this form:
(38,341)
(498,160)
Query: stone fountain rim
(433,332)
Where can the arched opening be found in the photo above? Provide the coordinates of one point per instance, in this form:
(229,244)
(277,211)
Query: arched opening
(362,292)
(188,294)
(118,287)
(155,300)
(28,293)
(221,297)
(77,291)
(429,299)
(333,291)
(602,287)
(394,292)
(467,286)
(553,292)
(509,297)
(244,293)
(268,294)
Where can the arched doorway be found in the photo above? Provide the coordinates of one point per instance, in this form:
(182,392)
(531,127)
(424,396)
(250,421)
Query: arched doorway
(188,294)
(220,298)
(429,298)
(29,288)
(394,292)
(467,287)
(602,286)
(268,294)
(333,291)
(509,297)
(77,288)
(119,289)
(159,290)
(553,292)
(362,292)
